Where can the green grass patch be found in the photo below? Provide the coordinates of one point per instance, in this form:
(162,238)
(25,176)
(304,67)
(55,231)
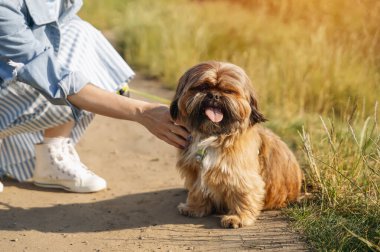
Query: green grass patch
(342,161)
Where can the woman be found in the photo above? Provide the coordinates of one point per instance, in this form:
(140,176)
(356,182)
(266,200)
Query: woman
(54,68)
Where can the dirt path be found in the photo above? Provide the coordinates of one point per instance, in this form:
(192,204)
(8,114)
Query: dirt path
(137,212)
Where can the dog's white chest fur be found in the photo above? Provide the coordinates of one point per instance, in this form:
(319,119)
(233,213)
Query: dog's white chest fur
(210,156)
(207,155)
(204,153)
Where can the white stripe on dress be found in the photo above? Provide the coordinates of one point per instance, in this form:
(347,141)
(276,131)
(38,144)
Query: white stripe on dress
(24,112)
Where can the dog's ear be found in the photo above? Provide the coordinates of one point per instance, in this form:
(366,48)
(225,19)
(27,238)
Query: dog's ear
(256,116)
(174,109)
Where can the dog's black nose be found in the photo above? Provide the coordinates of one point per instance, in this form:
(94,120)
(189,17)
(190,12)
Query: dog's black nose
(215,96)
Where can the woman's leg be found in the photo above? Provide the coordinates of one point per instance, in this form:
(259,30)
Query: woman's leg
(37,128)
(63,130)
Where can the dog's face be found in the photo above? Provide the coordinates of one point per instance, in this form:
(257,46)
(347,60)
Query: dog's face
(215,98)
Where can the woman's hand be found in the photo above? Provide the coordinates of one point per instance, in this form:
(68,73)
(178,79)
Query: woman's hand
(156,118)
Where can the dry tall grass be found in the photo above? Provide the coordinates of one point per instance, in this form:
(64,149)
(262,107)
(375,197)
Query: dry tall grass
(302,55)
(343,171)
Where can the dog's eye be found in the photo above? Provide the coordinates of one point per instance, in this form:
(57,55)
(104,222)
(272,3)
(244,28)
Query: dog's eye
(202,87)
(228,91)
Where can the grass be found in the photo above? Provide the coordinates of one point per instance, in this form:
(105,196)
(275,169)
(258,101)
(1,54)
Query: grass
(316,66)
(342,171)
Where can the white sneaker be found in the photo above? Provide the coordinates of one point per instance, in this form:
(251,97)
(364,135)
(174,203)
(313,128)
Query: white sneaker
(58,166)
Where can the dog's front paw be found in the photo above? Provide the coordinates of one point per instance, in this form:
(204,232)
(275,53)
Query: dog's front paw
(185,210)
(231,221)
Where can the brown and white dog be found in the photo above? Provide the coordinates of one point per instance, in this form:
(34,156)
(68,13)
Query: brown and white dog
(233,165)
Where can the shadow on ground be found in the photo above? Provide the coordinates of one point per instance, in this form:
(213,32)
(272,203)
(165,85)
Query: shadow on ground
(125,212)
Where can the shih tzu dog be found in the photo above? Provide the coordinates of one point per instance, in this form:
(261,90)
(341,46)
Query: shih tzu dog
(233,165)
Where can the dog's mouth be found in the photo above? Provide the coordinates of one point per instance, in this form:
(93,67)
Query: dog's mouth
(213,118)
(215,114)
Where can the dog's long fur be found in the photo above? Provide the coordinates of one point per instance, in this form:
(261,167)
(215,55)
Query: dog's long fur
(236,166)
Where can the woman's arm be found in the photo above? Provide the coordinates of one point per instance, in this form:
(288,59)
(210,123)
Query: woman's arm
(155,117)
(38,65)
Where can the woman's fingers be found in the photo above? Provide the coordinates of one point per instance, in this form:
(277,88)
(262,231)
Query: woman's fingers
(174,141)
(177,133)
(179,140)
(156,118)
(180,131)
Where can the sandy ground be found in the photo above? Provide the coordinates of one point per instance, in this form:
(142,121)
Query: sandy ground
(138,210)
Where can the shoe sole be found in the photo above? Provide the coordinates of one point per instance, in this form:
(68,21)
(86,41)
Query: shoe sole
(83,190)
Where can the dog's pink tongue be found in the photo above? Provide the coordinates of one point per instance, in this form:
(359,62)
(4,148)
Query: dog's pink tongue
(214,114)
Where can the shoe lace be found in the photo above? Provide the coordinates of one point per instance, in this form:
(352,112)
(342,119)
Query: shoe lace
(65,152)
(68,148)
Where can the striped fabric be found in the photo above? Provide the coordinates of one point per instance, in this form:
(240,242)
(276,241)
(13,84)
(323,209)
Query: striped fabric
(24,113)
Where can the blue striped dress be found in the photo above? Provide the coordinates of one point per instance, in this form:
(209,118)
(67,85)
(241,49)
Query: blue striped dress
(25,113)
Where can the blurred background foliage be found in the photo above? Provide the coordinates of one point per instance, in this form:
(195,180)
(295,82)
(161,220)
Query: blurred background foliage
(303,56)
